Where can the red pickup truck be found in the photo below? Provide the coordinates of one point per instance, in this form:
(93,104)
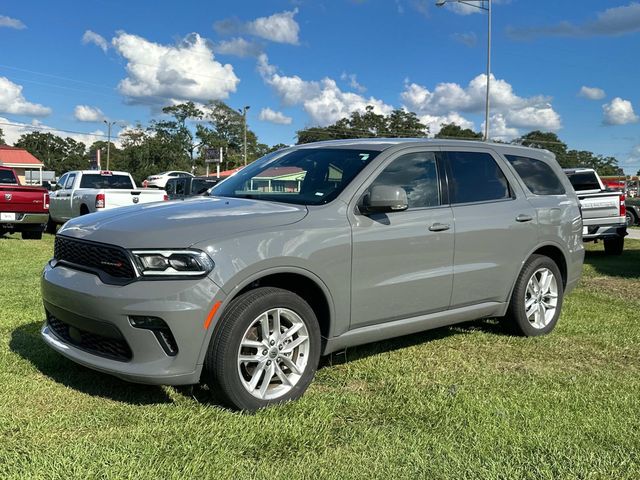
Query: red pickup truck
(22,209)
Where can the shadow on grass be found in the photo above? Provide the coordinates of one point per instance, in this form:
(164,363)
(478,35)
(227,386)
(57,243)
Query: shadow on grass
(626,265)
(489,326)
(26,342)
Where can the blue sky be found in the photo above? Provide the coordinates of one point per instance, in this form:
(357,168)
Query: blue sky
(67,65)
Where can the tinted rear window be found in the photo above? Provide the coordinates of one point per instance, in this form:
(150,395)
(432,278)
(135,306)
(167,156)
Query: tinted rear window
(198,186)
(476,177)
(7,176)
(95,180)
(584,181)
(536,175)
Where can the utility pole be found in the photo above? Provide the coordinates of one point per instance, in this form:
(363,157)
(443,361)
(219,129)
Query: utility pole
(109,125)
(244,119)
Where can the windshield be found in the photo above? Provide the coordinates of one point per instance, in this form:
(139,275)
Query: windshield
(96,180)
(307,176)
(584,181)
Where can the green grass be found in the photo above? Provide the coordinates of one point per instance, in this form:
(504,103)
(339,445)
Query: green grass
(462,402)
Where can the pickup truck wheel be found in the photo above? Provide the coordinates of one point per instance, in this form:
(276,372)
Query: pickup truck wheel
(631,218)
(614,246)
(32,235)
(84,210)
(537,297)
(265,350)
(51,226)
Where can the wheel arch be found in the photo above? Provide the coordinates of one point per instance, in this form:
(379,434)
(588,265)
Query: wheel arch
(550,250)
(295,279)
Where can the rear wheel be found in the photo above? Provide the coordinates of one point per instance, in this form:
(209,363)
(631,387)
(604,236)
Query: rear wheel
(51,226)
(614,246)
(537,297)
(631,218)
(264,351)
(32,235)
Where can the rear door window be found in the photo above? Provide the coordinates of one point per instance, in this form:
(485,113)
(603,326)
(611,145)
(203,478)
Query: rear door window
(539,178)
(476,177)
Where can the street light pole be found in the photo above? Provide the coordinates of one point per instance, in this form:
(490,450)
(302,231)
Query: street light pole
(109,125)
(487,8)
(244,119)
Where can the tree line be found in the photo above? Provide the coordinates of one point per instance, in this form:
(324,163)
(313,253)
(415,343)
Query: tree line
(176,142)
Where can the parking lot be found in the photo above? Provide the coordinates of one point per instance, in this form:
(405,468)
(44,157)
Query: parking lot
(463,402)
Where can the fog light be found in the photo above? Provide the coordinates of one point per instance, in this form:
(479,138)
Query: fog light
(159,328)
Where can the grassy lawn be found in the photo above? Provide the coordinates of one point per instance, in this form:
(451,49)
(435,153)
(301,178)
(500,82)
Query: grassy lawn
(463,402)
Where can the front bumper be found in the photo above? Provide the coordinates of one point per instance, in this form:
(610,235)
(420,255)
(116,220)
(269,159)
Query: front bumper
(74,297)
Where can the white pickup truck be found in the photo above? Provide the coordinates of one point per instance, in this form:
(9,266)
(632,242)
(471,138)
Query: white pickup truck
(87,191)
(603,211)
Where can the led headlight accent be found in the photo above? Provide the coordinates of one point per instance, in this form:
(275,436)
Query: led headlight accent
(172,262)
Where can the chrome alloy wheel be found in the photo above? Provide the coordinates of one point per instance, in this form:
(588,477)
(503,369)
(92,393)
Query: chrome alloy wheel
(541,298)
(273,353)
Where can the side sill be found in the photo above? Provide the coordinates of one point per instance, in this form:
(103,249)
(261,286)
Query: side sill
(407,326)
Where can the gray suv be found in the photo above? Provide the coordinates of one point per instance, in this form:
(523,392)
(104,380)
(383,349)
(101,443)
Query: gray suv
(310,250)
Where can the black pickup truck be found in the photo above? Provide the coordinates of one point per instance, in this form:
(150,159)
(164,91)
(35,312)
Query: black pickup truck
(633,211)
(183,187)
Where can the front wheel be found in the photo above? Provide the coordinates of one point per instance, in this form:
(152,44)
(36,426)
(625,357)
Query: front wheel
(537,297)
(264,351)
(614,246)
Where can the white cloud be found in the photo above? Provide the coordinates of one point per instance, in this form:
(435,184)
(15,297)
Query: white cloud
(611,22)
(499,130)
(186,71)
(323,100)
(96,39)
(435,122)
(238,47)
(86,113)
(13,130)
(633,160)
(353,82)
(279,27)
(9,22)
(268,115)
(516,111)
(592,93)
(12,101)
(619,112)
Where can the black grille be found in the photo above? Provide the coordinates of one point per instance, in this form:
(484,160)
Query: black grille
(108,259)
(112,348)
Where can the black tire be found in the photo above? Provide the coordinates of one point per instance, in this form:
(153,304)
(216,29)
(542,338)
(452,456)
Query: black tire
(51,226)
(631,218)
(84,210)
(614,246)
(516,315)
(221,372)
(32,235)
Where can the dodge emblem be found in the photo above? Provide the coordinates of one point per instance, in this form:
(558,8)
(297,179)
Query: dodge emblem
(7,196)
(136,199)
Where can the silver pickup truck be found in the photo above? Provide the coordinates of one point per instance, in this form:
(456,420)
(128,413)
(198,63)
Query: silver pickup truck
(89,191)
(603,211)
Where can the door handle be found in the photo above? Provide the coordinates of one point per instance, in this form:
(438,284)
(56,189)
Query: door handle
(524,218)
(439,227)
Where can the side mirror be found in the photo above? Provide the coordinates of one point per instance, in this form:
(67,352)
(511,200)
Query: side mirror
(384,199)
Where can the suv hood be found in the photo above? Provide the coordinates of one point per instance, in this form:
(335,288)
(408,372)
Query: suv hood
(180,224)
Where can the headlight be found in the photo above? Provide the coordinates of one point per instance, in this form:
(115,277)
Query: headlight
(155,263)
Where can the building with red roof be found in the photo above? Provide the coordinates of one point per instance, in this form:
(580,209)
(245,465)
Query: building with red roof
(21,161)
